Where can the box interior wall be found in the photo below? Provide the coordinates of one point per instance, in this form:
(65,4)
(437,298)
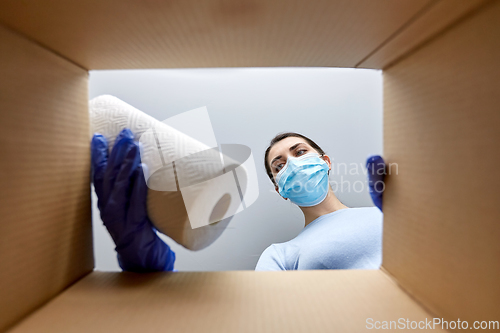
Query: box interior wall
(441,126)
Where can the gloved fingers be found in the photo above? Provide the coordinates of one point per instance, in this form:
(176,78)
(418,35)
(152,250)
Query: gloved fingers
(123,143)
(99,160)
(376,169)
(137,212)
(376,175)
(130,163)
(375,161)
(120,197)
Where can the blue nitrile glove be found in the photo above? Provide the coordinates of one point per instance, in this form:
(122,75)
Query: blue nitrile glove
(376,174)
(121,191)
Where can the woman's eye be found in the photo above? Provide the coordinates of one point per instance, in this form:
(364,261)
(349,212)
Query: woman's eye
(302,150)
(278,167)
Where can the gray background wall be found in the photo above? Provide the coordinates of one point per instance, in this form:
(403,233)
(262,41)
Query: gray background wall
(340,109)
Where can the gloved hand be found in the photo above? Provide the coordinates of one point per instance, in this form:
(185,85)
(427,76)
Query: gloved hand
(376,175)
(121,190)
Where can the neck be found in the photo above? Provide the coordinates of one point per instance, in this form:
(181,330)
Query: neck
(329,205)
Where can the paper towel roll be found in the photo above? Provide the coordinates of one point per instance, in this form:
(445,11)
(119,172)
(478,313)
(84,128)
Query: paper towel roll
(196,186)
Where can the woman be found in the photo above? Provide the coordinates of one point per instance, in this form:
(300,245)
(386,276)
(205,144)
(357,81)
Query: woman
(335,236)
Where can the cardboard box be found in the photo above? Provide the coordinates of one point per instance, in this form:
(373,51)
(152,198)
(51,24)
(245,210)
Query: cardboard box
(441,249)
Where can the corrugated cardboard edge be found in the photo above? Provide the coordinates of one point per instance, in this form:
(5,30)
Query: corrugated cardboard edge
(46,230)
(441,213)
(430,21)
(213,33)
(239,301)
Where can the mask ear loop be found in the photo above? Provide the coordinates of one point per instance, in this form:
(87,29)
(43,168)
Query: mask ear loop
(322,156)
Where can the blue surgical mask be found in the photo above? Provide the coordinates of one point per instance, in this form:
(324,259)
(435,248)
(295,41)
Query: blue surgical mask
(304,180)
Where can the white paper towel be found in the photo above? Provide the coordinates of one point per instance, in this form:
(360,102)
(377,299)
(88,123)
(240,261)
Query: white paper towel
(205,191)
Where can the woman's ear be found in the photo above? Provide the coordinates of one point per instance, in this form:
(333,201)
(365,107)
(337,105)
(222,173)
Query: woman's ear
(327,160)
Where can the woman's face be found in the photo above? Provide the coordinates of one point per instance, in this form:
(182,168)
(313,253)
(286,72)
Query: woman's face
(291,146)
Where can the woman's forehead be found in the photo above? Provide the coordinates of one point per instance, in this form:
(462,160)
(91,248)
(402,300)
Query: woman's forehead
(282,147)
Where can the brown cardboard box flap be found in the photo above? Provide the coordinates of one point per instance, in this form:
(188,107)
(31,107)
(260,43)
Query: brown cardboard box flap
(45,228)
(431,20)
(442,211)
(107,34)
(241,301)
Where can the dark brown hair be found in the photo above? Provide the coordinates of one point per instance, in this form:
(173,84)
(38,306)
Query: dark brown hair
(278,138)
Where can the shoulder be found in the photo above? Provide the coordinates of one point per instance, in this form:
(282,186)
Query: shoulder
(270,259)
(365,212)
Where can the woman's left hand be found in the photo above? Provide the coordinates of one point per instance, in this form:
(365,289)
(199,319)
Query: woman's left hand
(376,175)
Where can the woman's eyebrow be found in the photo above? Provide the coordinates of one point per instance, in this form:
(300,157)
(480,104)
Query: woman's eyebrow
(292,148)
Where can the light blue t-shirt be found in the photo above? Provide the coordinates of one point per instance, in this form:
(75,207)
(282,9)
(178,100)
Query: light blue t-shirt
(349,238)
